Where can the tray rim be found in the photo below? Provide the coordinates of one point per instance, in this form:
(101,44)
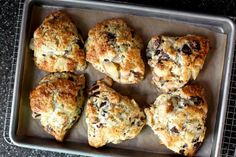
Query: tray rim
(224,87)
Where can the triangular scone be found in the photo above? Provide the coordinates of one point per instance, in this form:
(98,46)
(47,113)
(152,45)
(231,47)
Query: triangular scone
(111,117)
(179,119)
(176,60)
(57,102)
(57,45)
(114,48)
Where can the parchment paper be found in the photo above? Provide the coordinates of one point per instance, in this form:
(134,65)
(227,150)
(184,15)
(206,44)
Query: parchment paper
(144,93)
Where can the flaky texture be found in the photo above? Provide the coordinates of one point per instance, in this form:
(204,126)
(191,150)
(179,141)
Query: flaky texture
(57,102)
(179,119)
(176,60)
(114,48)
(57,45)
(111,117)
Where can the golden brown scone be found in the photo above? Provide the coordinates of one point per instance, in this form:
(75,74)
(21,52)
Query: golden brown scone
(114,48)
(176,60)
(57,45)
(57,102)
(179,119)
(111,117)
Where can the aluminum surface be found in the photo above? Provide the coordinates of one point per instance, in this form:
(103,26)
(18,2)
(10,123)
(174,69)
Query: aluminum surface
(217,23)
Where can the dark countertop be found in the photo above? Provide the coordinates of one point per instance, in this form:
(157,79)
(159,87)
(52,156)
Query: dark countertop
(8,18)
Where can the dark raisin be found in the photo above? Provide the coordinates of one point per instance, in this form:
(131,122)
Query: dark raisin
(49,129)
(139,123)
(199,127)
(157,43)
(157,52)
(186,49)
(103,104)
(36,115)
(197,145)
(185,145)
(106,60)
(132,34)
(196,100)
(181,151)
(71,78)
(44,55)
(94,87)
(136,74)
(195,45)
(164,56)
(142,118)
(99,125)
(174,129)
(66,52)
(111,36)
(80,43)
(195,140)
(132,123)
(106,26)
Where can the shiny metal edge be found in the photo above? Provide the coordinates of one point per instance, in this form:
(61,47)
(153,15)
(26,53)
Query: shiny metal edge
(160,12)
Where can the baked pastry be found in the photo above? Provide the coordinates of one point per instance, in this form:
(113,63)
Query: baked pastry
(114,48)
(176,60)
(111,117)
(57,45)
(57,102)
(179,119)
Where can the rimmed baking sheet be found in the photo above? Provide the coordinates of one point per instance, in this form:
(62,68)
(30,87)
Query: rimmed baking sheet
(144,93)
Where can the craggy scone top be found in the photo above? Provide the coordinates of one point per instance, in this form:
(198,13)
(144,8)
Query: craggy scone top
(57,45)
(179,119)
(57,102)
(176,60)
(111,117)
(114,48)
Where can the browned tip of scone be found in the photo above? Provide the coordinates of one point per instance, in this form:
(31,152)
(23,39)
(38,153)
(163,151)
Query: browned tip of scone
(57,45)
(114,48)
(178,118)
(57,102)
(176,60)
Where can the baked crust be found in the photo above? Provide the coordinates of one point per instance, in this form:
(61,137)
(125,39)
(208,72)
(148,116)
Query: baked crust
(57,45)
(111,117)
(114,48)
(57,102)
(176,60)
(179,119)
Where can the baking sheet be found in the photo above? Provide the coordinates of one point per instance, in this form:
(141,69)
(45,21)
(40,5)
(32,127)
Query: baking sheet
(144,93)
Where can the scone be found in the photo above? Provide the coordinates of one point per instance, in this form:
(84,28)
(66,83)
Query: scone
(176,60)
(111,117)
(179,119)
(57,102)
(114,48)
(57,45)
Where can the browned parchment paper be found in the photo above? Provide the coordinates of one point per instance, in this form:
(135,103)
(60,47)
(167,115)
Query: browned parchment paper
(144,92)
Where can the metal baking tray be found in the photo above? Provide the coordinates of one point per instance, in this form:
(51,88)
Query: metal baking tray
(24,75)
